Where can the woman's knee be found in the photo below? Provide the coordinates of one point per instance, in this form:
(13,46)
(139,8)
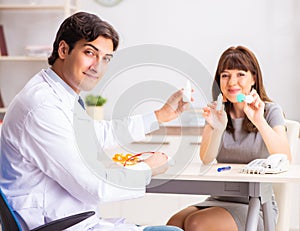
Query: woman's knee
(179,218)
(193,222)
(176,220)
(210,219)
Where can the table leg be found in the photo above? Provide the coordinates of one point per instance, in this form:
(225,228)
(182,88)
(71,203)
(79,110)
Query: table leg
(253,214)
(267,213)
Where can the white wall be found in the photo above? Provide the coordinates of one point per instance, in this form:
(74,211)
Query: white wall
(206,28)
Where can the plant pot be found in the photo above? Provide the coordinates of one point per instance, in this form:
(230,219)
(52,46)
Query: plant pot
(95,112)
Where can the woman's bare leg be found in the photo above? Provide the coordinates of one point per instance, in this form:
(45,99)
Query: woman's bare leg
(210,219)
(178,219)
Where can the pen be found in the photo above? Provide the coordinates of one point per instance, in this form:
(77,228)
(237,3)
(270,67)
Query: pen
(221,169)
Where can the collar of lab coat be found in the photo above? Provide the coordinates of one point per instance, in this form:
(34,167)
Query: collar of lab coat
(65,93)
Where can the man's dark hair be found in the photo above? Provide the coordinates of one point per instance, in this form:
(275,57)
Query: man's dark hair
(79,26)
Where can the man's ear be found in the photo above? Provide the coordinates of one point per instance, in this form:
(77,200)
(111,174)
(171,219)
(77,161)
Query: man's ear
(63,49)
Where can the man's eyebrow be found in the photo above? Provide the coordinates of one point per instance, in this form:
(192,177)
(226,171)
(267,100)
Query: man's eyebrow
(87,44)
(95,48)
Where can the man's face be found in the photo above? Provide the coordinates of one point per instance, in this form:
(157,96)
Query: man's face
(84,66)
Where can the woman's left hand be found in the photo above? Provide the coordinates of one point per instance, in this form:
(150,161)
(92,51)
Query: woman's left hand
(255,110)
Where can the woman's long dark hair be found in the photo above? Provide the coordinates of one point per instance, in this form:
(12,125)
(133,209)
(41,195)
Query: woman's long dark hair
(240,58)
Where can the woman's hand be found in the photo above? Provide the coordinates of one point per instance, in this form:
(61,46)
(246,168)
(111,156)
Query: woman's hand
(216,119)
(255,110)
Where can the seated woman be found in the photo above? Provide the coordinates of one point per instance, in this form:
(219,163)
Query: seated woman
(237,133)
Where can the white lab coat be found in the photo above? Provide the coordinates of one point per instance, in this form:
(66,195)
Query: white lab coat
(44,173)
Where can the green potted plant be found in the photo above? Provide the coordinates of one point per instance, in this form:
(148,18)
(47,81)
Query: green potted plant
(94,105)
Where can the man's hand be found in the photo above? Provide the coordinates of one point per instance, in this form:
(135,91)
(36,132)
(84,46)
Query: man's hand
(172,108)
(158,163)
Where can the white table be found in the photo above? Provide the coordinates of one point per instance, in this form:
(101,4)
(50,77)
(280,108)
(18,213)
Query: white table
(208,181)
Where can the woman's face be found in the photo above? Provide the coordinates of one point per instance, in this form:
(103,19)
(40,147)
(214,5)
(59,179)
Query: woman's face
(234,82)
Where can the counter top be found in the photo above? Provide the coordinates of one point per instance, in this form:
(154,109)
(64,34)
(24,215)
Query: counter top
(178,131)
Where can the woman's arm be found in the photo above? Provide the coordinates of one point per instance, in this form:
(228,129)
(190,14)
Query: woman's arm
(212,133)
(210,144)
(275,138)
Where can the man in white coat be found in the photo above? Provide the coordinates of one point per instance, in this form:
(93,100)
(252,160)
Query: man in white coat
(42,172)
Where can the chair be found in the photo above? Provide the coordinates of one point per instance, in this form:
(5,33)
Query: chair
(283,191)
(10,222)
